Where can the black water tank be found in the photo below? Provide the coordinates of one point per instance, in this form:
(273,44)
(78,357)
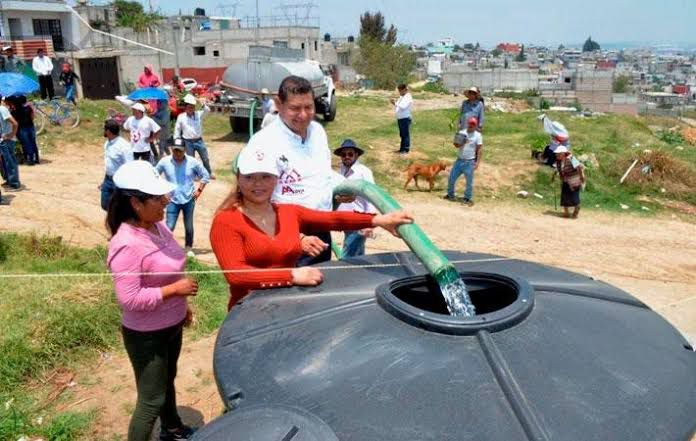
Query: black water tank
(199,12)
(327,37)
(371,355)
(351,39)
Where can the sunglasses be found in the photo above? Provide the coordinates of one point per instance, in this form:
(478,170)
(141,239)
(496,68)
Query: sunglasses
(347,155)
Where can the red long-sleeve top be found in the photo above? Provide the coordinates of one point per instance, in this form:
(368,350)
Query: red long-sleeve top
(239,244)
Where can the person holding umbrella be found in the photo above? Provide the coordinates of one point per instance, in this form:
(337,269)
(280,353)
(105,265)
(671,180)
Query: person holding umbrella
(8,133)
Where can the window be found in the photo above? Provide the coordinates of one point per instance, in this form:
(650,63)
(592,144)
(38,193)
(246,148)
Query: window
(50,27)
(316,46)
(280,43)
(199,50)
(302,46)
(216,53)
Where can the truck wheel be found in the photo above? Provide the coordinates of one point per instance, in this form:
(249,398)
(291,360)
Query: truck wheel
(331,114)
(239,125)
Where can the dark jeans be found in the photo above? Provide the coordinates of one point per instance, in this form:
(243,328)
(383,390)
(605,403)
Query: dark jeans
(354,244)
(197,145)
(153,356)
(46,85)
(404,133)
(27,137)
(325,256)
(173,215)
(10,171)
(145,156)
(107,189)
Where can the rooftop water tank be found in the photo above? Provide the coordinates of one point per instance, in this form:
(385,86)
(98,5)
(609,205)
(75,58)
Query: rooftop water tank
(372,355)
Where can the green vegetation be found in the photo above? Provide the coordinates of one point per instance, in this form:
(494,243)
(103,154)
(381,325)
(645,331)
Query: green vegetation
(590,45)
(621,83)
(131,14)
(380,59)
(508,141)
(53,324)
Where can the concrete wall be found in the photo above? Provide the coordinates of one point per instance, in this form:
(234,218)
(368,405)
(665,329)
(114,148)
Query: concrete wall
(459,78)
(27,27)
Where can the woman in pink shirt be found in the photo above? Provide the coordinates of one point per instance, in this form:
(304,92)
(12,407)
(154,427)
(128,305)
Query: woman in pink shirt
(147,263)
(148,78)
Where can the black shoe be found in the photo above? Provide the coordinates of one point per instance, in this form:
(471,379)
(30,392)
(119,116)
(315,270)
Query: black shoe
(179,434)
(448,197)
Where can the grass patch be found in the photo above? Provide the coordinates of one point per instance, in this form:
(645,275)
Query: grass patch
(49,324)
(615,140)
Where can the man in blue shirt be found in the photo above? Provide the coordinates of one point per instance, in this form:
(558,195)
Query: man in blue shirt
(117,151)
(181,169)
(471,108)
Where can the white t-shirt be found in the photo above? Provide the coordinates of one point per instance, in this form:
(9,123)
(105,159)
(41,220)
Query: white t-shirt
(403,106)
(306,177)
(140,130)
(468,150)
(357,171)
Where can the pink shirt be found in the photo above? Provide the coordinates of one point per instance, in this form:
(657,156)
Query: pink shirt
(137,250)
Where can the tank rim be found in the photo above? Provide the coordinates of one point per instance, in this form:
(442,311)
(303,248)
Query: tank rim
(494,321)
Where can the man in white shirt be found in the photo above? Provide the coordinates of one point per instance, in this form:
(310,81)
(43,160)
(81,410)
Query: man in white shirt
(143,131)
(402,107)
(117,152)
(469,143)
(43,67)
(189,127)
(301,149)
(352,169)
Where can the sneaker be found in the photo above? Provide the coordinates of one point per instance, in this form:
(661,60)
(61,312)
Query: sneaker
(13,189)
(448,197)
(468,202)
(179,434)
(189,252)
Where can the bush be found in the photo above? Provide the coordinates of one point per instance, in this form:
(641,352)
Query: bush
(435,87)
(670,137)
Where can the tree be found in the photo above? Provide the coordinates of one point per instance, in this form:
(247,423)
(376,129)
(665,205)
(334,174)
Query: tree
(372,26)
(380,58)
(469,46)
(561,48)
(477,47)
(131,14)
(621,84)
(521,56)
(496,52)
(590,45)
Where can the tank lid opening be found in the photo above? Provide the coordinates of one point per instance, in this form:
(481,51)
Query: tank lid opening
(500,301)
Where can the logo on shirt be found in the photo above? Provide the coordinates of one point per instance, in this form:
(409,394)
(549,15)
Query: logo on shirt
(286,189)
(290,177)
(259,155)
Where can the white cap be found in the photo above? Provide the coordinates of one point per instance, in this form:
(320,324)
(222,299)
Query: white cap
(138,106)
(142,176)
(254,160)
(190,99)
(561,149)
(6,48)
(265,91)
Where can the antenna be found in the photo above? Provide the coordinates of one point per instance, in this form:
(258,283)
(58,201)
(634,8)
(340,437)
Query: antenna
(298,14)
(224,8)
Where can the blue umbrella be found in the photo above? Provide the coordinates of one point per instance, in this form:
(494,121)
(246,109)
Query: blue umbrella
(148,93)
(16,84)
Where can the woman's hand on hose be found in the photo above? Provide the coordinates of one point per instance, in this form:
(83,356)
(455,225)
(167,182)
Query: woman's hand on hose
(312,245)
(392,220)
(307,276)
(182,287)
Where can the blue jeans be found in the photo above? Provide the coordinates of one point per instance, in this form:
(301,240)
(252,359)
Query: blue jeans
(10,171)
(465,166)
(354,244)
(198,145)
(405,134)
(70,93)
(173,210)
(107,189)
(27,137)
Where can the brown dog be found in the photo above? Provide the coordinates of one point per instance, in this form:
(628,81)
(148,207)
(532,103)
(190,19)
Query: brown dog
(427,171)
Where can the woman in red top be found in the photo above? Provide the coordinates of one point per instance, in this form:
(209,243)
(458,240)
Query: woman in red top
(250,232)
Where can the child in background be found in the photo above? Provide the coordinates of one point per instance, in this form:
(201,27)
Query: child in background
(67,79)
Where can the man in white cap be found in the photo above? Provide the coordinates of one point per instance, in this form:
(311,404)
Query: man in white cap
(189,128)
(267,101)
(143,131)
(183,170)
(12,63)
(472,107)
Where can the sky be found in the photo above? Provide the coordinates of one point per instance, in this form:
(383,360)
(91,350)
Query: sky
(542,22)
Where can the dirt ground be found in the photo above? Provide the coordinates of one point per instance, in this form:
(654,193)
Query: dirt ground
(652,258)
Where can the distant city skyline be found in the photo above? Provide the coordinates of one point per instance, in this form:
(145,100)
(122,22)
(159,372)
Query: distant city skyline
(540,22)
